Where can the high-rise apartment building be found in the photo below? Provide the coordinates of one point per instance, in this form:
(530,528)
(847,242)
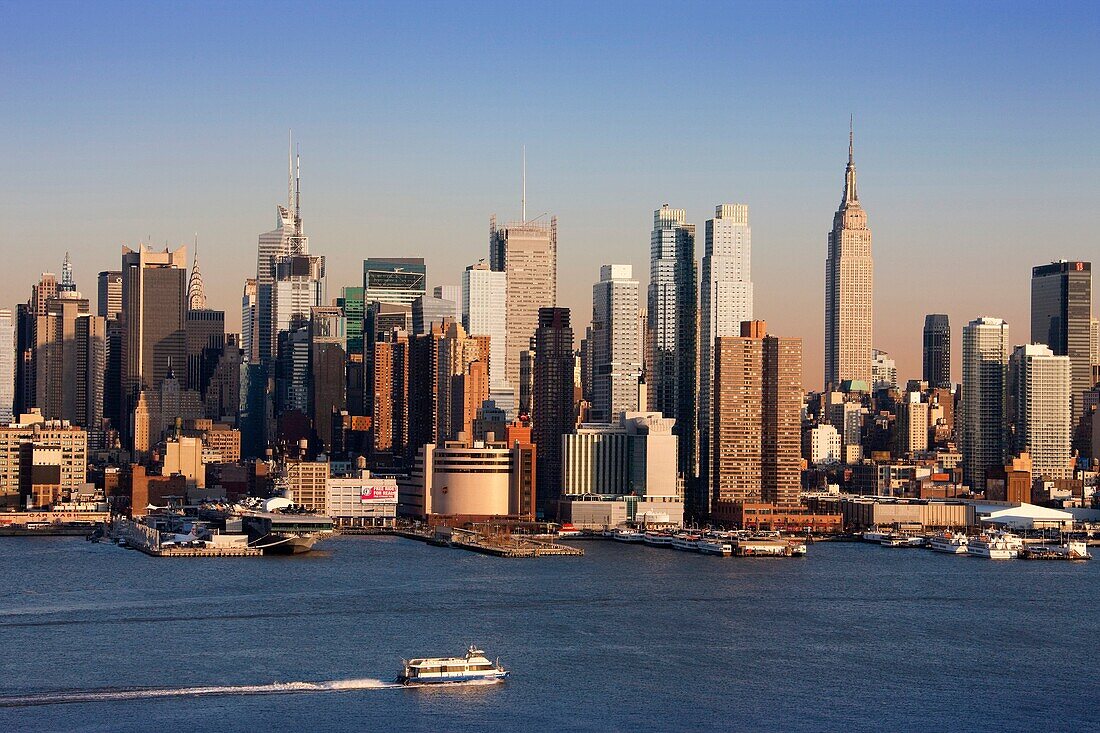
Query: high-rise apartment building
(849,289)
(7,366)
(615,344)
(1061,318)
(981,420)
(937,351)
(484,303)
(1039,385)
(911,429)
(725,301)
(553,409)
(154,304)
(673,312)
(110,294)
(527,253)
(756,421)
(884,371)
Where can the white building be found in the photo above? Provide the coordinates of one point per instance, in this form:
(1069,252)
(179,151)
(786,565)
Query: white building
(824,445)
(1040,394)
(483,303)
(615,343)
(362,500)
(884,371)
(637,456)
(725,300)
(7,365)
(981,420)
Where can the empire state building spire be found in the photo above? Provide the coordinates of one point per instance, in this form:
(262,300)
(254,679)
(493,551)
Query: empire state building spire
(849,288)
(196,294)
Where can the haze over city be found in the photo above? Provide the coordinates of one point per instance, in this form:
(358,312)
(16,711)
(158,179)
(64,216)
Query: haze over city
(974,138)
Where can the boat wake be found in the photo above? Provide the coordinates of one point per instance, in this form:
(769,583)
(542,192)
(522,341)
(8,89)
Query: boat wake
(110,694)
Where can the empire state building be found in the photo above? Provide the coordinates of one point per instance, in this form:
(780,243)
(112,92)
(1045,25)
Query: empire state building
(849,289)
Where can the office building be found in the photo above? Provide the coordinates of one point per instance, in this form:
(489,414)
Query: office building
(824,445)
(849,289)
(249,303)
(327,364)
(981,421)
(157,410)
(937,350)
(1039,386)
(527,253)
(70,358)
(484,303)
(673,310)
(154,303)
(7,366)
(725,301)
(453,294)
(205,344)
(394,280)
(911,429)
(615,342)
(756,421)
(110,294)
(552,394)
(351,303)
(1061,318)
(307,483)
(428,310)
(470,480)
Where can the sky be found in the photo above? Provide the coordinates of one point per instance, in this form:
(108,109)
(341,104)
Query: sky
(976,140)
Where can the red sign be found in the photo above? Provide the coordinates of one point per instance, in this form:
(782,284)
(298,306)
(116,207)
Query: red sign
(377,494)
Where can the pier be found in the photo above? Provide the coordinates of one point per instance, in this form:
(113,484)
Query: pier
(497,545)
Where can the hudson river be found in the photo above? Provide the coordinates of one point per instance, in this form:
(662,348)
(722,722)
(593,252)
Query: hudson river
(627,638)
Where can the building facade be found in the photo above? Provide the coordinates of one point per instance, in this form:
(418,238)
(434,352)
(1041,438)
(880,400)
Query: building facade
(981,421)
(552,394)
(937,351)
(1039,409)
(615,343)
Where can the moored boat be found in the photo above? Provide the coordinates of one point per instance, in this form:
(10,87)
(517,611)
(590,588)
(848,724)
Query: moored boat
(714,546)
(1072,550)
(658,539)
(686,542)
(472,667)
(991,546)
(953,543)
(627,535)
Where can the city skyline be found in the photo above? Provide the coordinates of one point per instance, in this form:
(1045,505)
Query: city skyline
(415,169)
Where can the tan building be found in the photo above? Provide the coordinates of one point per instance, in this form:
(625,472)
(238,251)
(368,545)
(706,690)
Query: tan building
(41,462)
(849,289)
(528,253)
(470,479)
(911,429)
(307,484)
(157,411)
(184,456)
(755,421)
(221,442)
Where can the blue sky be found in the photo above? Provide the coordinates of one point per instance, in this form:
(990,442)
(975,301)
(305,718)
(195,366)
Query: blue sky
(976,140)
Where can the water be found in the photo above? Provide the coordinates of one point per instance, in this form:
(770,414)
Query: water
(627,638)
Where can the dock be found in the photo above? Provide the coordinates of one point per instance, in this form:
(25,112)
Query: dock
(503,545)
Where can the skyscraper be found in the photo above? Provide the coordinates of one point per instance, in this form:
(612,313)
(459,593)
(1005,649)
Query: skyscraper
(1061,318)
(484,304)
(673,312)
(756,419)
(7,365)
(154,303)
(981,421)
(70,356)
(554,414)
(725,301)
(394,280)
(615,343)
(937,350)
(110,294)
(249,302)
(452,293)
(427,310)
(327,362)
(1039,409)
(527,252)
(196,293)
(849,288)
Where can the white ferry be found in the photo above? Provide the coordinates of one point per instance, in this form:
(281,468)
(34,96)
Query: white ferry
(875,535)
(902,540)
(993,546)
(687,542)
(949,542)
(627,535)
(657,539)
(713,546)
(475,666)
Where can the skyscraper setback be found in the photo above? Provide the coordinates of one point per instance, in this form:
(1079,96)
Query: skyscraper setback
(849,288)
(672,320)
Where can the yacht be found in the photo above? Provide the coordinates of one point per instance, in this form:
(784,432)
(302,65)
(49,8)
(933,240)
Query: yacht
(627,535)
(474,667)
(993,546)
(714,546)
(949,542)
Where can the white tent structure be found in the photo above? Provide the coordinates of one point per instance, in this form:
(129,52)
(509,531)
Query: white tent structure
(1022,516)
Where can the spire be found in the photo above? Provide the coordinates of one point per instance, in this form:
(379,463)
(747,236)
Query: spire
(290,177)
(67,285)
(850,195)
(297,193)
(523,188)
(196,294)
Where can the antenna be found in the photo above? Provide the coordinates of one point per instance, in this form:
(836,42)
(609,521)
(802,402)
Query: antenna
(297,192)
(523,188)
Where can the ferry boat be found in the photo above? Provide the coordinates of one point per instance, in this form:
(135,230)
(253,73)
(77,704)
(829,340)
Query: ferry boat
(475,666)
(657,539)
(949,542)
(901,540)
(627,535)
(686,542)
(992,546)
(875,535)
(714,546)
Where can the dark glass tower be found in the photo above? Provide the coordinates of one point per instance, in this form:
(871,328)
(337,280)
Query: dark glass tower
(553,402)
(937,350)
(1061,315)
